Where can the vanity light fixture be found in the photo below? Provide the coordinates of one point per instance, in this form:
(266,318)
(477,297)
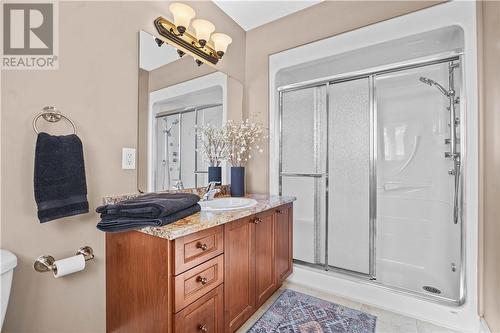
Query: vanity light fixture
(203,45)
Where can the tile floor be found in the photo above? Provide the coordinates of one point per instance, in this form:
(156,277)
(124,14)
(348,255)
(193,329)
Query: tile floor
(387,322)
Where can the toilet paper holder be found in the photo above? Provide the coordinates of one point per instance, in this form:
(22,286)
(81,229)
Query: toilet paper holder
(46,263)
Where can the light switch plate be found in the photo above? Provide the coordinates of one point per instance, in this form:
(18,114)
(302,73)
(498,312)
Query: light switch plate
(128,158)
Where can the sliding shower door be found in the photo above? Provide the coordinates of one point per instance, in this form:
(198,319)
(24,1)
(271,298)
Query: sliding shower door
(303,167)
(418,243)
(349,176)
(209,115)
(374,162)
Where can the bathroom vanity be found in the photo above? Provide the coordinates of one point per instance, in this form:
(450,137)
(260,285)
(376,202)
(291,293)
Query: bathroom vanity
(206,273)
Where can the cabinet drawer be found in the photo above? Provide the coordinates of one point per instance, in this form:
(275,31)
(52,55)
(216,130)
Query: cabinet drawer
(196,282)
(204,315)
(197,248)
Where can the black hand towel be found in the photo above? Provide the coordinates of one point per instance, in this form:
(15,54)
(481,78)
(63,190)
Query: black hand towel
(59,180)
(127,223)
(151,205)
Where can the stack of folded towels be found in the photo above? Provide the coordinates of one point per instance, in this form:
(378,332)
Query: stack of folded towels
(154,209)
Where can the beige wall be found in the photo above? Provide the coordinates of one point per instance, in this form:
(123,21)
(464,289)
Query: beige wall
(96,85)
(317,22)
(490,165)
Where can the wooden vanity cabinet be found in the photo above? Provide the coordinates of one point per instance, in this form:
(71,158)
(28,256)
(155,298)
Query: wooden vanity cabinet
(239,271)
(209,281)
(258,258)
(283,242)
(265,276)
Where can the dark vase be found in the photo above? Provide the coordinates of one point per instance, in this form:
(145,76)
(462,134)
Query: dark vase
(237,181)
(215,174)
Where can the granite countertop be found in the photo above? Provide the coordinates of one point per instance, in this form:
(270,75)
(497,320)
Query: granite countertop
(205,219)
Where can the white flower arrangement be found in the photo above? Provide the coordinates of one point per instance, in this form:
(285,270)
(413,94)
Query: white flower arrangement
(213,144)
(241,140)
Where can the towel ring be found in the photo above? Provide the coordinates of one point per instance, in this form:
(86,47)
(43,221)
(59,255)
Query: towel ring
(52,115)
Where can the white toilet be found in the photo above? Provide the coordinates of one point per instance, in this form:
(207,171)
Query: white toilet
(7,263)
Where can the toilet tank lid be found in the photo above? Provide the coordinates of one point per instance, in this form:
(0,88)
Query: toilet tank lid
(7,261)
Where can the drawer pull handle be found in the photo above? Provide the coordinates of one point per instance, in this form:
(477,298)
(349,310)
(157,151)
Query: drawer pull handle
(257,220)
(202,280)
(201,246)
(203,328)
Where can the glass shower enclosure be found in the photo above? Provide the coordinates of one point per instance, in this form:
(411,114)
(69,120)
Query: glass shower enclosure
(176,142)
(374,161)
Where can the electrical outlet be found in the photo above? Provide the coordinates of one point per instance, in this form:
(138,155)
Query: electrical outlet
(128,158)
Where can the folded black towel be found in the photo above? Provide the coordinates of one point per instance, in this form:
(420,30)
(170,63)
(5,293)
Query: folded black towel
(151,206)
(127,223)
(59,177)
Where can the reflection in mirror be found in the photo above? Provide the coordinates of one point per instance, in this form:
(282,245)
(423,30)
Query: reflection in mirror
(175,97)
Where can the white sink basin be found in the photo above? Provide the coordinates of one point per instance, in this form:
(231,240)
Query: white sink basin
(223,204)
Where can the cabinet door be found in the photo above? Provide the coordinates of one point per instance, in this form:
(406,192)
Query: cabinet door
(283,242)
(265,277)
(239,286)
(204,315)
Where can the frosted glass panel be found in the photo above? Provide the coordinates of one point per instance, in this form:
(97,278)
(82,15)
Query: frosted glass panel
(308,217)
(187,156)
(304,130)
(417,242)
(212,116)
(349,162)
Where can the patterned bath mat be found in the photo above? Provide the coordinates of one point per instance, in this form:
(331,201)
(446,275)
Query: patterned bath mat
(294,312)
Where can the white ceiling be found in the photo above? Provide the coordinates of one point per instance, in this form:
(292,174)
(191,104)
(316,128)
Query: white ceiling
(251,14)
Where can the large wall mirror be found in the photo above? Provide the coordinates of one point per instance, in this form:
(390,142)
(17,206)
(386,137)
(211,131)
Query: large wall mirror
(175,96)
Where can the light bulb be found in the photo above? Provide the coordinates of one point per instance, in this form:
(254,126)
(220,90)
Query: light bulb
(203,30)
(183,14)
(221,42)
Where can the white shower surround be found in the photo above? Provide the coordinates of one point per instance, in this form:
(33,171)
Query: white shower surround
(217,79)
(457,13)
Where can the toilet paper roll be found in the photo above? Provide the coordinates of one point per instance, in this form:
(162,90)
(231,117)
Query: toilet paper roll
(69,265)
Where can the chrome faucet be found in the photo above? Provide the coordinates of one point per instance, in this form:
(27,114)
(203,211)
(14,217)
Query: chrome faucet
(178,185)
(210,191)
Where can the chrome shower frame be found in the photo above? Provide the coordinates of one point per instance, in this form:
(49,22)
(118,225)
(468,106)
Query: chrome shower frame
(454,58)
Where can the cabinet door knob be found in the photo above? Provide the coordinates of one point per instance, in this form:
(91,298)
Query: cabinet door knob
(203,328)
(279,211)
(201,246)
(256,220)
(202,280)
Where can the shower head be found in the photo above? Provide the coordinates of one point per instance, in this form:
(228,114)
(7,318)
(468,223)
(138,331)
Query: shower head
(431,83)
(175,122)
(426,80)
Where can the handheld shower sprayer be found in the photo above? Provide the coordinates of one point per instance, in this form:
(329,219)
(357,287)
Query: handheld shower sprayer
(175,122)
(431,83)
